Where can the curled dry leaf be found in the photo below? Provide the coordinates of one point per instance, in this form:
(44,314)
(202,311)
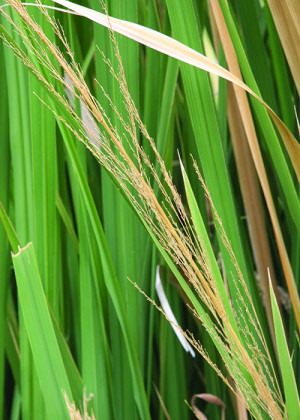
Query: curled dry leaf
(210,398)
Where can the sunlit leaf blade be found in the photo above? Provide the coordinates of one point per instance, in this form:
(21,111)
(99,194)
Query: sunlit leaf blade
(288,376)
(71,369)
(47,358)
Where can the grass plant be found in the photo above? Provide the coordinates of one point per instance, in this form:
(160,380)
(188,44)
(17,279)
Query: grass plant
(135,164)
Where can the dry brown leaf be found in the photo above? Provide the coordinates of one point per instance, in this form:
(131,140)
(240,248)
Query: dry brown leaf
(257,158)
(210,398)
(248,180)
(286,16)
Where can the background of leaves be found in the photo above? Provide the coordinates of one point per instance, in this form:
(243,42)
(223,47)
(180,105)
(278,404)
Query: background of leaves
(43,169)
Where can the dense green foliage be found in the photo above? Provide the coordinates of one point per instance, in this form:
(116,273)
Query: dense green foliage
(72,234)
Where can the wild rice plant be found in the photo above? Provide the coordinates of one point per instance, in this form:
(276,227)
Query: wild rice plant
(71,288)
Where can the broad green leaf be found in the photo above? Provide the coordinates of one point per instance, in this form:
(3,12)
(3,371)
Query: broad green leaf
(288,376)
(71,369)
(47,358)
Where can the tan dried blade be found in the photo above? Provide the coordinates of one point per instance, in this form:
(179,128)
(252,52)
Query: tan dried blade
(209,398)
(249,128)
(250,189)
(286,15)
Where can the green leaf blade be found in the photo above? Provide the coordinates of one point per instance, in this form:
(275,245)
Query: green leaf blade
(46,355)
(289,381)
